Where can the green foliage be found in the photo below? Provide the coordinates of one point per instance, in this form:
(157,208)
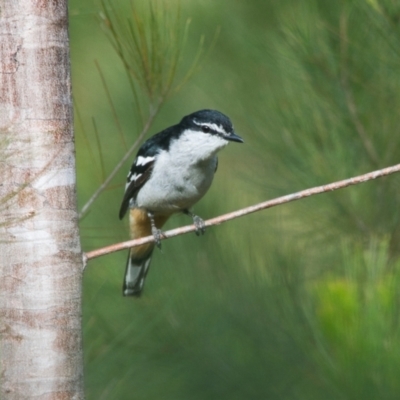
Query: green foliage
(358,316)
(298,302)
(149,41)
(149,44)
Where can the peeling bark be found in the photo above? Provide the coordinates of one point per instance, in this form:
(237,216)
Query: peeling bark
(40,253)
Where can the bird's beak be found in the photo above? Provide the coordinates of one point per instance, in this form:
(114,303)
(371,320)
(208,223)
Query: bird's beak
(234,138)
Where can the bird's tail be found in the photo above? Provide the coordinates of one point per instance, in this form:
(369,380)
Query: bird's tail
(135,273)
(139,257)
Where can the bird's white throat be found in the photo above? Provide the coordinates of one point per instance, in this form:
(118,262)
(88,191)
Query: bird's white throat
(194,146)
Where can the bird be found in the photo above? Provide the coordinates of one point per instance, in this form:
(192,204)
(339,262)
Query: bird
(172,171)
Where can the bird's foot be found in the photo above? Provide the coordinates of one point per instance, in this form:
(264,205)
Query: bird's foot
(198,223)
(157,233)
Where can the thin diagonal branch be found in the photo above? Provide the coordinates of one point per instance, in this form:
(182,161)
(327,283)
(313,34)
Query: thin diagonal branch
(128,154)
(248,210)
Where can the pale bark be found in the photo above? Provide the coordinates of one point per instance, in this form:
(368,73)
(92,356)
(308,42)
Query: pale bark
(40,254)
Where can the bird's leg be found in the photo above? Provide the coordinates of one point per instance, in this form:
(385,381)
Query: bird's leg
(157,233)
(197,221)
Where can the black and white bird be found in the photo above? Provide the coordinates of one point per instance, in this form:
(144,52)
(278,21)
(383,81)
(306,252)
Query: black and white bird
(171,172)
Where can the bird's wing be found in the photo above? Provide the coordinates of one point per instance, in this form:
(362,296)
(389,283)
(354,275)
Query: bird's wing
(143,165)
(137,177)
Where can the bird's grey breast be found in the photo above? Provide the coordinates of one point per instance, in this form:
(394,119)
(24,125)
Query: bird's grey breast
(177,182)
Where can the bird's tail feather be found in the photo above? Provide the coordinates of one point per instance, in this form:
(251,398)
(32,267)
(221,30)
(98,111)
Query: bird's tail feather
(139,257)
(135,274)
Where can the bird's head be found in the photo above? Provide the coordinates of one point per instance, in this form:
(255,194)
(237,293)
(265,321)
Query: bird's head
(213,123)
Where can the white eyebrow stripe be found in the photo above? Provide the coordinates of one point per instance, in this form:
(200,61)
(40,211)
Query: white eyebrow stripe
(144,160)
(214,127)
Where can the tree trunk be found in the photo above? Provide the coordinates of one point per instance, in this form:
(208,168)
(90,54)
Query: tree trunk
(40,254)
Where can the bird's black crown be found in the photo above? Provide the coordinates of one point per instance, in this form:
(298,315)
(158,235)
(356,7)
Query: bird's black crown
(206,118)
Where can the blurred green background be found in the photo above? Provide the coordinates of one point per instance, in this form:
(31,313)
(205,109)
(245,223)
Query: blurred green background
(296,302)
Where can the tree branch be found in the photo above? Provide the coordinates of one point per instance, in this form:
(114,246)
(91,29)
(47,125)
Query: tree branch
(128,154)
(248,210)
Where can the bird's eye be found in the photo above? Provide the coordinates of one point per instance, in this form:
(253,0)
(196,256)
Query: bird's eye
(205,129)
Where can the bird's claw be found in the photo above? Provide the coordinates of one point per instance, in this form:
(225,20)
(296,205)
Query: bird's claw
(199,224)
(157,233)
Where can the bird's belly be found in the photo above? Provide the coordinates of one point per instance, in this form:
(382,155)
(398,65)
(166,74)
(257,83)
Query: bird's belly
(171,191)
